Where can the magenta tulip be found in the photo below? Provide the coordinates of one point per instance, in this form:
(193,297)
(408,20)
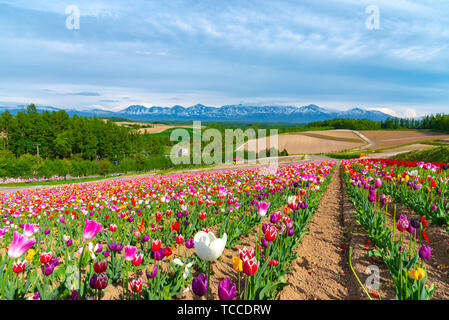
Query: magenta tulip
(91,228)
(19,245)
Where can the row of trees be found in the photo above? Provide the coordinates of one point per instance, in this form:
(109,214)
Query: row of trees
(433,122)
(351,124)
(28,165)
(58,136)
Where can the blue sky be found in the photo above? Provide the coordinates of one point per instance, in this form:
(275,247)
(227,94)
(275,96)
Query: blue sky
(227,52)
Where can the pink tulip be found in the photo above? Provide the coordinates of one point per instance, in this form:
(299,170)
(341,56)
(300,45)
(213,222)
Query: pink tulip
(263,208)
(130,252)
(91,228)
(19,245)
(378,182)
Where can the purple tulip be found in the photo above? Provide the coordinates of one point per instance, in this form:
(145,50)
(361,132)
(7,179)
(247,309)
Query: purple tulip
(47,231)
(74,295)
(153,273)
(146,237)
(36,295)
(112,246)
(106,253)
(290,232)
(99,249)
(264,242)
(226,289)
(199,285)
(118,247)
(190,243)
(274,218)
(93,281)
(47,269)
(303,205)
(157,255)
(425,252)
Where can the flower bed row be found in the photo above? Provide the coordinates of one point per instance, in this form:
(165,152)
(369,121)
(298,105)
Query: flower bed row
(423,187)
(405,264)
(78,241)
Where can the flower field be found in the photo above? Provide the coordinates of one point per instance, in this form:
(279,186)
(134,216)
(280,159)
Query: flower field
(168,237)
(156,237)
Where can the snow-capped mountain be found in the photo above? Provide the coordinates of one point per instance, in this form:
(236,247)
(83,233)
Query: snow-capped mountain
(239,112)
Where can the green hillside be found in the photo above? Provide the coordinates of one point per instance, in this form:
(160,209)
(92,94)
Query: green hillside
(439,154)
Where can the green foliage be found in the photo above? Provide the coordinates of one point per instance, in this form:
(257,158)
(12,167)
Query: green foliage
(59,136)
(440,154)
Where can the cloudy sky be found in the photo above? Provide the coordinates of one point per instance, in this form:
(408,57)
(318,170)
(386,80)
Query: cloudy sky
(327,52)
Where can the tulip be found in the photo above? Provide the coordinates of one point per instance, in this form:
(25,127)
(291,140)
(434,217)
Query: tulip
(19,266)
(262,208)
(153,273)
(200,284)
(100,266)
(130,252)
(137,260)
(250,266)
(91,228)
(237,264)
(167,251)
(157,255)
(179,239)
(155,245)
(136,286)
(270,234)
(19,245)
(378,182)
(46,257)
(226,289)
(208,247)
(424,252)
(190,243)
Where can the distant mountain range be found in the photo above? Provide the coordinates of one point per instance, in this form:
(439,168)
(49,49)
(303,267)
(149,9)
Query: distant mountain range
(290,114)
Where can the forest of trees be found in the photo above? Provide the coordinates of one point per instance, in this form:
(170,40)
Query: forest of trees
(439,122)
(59,136)
(47,144)
(352,124)
(433,122)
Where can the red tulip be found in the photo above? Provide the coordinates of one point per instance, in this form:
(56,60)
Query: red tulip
(136,286)
(179,239)
(100,266)
(270,234)
(155,245)
(137,260)
(19,266)
(202,215)
(250,266)
(46,257)
(113,227)
(167,251)
(176,225)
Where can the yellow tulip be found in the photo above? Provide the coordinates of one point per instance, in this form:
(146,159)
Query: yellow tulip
(421,273)
(237,264)
(30,254)
(417,274)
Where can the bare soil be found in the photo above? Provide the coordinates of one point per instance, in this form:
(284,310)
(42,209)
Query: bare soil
(390,138)
(313,142)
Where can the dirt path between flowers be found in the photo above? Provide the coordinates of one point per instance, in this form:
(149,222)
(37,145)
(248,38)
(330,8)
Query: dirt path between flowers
(322,270)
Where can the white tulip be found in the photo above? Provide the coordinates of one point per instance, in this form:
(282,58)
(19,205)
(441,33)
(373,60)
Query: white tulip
(186,272)
(207,246)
